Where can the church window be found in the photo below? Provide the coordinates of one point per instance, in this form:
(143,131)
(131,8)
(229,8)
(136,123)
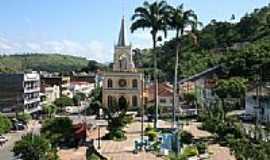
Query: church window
(110,101)
(134,83)
(134,101)
(122,83)
(110,83)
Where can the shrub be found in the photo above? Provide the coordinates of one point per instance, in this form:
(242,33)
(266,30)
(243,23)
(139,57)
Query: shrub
(5,124)
(186,137)
(201,147)
(63,102)
(148,128)
(93,157)
(190,151)
(115,134)
(24,117)
(152,135)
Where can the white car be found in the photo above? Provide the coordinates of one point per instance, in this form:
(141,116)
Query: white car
(3,139)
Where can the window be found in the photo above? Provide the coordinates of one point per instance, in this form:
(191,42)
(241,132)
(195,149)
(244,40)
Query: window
(110,83)
(134,101)
(134,83)
(162,100)
(122,102)
(110,99)
(122,83)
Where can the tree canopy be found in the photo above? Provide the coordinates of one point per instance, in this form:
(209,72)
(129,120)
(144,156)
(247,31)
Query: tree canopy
(34,147)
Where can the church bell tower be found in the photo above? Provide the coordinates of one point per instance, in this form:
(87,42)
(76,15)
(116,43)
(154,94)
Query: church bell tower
(122,53)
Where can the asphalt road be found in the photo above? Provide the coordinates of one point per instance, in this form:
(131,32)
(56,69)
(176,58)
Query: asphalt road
(6,149)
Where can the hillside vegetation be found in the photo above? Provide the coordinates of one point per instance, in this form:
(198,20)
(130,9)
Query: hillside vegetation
(239,46)
(43,62)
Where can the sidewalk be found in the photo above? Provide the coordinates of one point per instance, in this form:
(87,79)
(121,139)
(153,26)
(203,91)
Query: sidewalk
(124,150)
(218,152)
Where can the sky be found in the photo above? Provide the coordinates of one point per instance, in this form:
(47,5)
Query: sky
(90,28)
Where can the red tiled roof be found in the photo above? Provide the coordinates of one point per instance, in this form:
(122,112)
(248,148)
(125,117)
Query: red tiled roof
(79,82)
(164,90)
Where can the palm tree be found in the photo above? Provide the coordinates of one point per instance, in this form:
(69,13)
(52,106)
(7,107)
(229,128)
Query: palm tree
(180,20)
(152,16)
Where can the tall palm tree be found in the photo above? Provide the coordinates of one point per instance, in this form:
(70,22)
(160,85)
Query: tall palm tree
(179,21)
(152,16)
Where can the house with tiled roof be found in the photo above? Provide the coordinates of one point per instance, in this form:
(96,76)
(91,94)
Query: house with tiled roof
(165,97)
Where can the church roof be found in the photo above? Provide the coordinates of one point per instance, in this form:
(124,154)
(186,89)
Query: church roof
(121,39)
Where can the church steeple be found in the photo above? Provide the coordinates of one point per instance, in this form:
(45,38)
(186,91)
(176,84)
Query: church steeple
(121,39)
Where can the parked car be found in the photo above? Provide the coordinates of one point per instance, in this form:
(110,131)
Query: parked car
(18,126)
(3,139)
(247,117)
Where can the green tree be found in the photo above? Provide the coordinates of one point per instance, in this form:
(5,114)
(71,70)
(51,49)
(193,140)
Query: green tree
(180,20)
(5,124)
(50,110)
(78,97)
(117,120)
(96,101)
(230,88)
(34,147)
(154,16)
(25,117)
(59,131)
(63,101)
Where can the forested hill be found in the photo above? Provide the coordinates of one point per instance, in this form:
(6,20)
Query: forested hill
(43,62)
(239,45)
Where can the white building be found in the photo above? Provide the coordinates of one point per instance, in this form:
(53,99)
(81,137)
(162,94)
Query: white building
(81,87)
(258,108)
(51,93)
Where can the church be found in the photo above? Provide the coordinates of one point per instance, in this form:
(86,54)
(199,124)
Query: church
(123,85)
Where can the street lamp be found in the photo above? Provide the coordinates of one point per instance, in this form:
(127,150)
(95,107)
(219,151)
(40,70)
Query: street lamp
(99,117)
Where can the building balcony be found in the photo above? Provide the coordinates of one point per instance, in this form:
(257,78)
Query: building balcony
(33,109)
(30,90)
(31,100)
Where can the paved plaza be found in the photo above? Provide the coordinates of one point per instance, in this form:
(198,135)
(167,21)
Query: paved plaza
(216,151)
(123,150)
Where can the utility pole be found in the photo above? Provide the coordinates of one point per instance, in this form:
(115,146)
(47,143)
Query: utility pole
(142,114)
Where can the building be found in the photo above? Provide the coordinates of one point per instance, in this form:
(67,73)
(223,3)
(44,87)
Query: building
(165,97)
(124,84)
(50,93)
(201,84)
(19,92)
(85,77)
(81,87)
(59,80)
(257,102)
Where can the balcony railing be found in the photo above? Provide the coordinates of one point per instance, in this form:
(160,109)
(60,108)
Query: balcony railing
(31,100)
(31,89)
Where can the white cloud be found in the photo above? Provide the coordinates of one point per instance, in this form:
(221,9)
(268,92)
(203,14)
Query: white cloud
(4,46)
(94,50)
(142,38)
(33,46)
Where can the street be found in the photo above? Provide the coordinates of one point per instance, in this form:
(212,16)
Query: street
(5,149)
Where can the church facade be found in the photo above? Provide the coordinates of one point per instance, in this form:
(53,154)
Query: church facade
(124,85)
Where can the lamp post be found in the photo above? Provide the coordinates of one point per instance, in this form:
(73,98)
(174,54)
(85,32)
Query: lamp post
(99,117)
(142,118)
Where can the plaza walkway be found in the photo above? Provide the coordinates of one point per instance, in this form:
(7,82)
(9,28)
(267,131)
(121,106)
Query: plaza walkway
(73,154)
(123,150)
(216,151)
